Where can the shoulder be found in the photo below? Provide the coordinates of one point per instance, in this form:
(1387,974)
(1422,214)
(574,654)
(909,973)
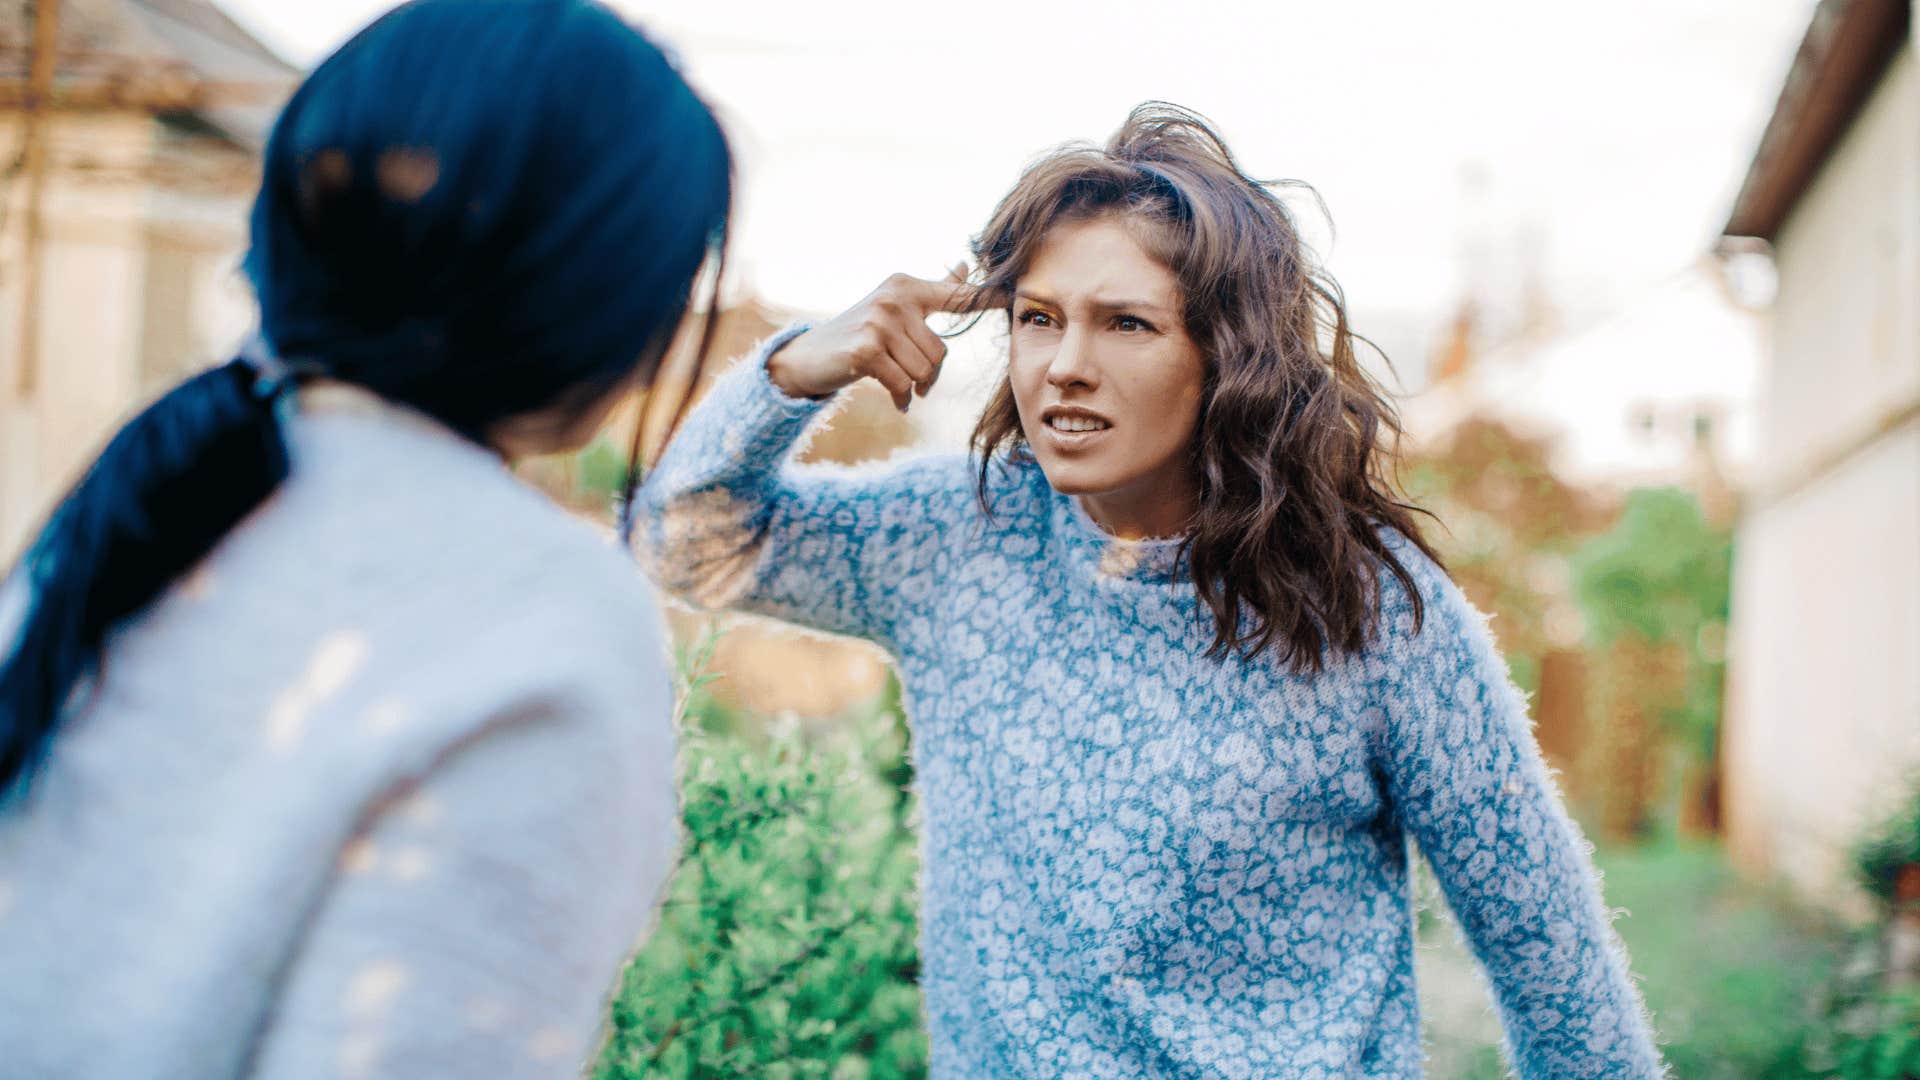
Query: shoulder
(438,543)
(574,670)
(1427,612)
(563,585)
(1007,493)
(1016,487)
(549,653)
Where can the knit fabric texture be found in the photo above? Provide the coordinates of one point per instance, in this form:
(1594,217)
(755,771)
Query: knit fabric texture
(1139,861)
(382,790)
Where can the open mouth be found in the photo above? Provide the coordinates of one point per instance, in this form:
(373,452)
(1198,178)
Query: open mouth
(1068,424)
(1073,425)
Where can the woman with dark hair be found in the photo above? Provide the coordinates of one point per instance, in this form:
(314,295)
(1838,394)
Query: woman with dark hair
(1183,675)
(323,745)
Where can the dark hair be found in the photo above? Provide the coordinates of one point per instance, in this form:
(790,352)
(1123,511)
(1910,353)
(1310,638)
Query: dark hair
(478,208)
(1289,461)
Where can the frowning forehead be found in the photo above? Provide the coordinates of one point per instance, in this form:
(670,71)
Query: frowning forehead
(1097,267)
(1097,304)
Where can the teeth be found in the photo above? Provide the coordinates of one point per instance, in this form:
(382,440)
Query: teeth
(1077,423)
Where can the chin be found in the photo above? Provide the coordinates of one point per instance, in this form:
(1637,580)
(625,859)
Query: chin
(1075,478)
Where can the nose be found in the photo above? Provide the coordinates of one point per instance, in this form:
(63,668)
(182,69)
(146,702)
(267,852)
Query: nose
(1072,363)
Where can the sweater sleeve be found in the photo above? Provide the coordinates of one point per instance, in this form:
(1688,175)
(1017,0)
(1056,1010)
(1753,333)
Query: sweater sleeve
(478,917)
(729,520)
(1464,775)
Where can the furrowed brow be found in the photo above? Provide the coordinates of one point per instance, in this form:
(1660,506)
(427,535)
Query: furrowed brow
(1097,305)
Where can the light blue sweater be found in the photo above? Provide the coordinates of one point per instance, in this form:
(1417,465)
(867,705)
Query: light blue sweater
(1139,862)
(383,790)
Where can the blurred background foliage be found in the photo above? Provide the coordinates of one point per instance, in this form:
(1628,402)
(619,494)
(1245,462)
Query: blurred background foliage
(786,946)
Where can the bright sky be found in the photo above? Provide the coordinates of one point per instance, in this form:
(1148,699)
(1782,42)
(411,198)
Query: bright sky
(1601,143)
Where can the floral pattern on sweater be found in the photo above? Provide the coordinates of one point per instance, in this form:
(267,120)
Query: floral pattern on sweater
(1139,861)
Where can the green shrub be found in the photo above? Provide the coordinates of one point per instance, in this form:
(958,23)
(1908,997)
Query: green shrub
(787,944)
(1870,1027)
(599,471)
(1663,574)
(1878,859)
(1868,1030)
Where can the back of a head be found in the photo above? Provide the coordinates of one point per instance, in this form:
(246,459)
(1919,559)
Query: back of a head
(478,208)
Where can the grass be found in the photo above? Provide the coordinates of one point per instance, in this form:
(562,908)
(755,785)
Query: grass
(1733,973)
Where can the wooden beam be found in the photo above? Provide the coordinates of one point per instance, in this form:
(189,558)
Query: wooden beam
(33,166)
(1847,49)
(154,92)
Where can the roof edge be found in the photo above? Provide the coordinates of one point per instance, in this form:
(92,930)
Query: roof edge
(1847,48)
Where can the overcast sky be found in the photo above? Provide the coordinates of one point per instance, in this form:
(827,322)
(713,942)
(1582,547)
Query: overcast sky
(1598,143)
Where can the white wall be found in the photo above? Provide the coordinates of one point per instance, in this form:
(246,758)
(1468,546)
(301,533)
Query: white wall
(1847,323)
(1824,707)
(1823,725)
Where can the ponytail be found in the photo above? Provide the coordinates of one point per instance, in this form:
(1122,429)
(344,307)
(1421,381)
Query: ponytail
(476,210)
(172,482)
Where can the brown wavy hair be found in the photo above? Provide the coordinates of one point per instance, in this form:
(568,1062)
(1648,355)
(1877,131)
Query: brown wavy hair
(1292,461)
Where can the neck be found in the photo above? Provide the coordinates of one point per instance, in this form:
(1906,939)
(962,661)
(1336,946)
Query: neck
(1133,516)
(336,396)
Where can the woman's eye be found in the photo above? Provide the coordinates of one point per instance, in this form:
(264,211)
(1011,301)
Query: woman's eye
(1036,317)
(1129,323)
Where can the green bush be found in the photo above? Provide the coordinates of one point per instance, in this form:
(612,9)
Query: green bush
(1868,1029)
(599,471)
(1878,859)
(1663,573)
(787,944)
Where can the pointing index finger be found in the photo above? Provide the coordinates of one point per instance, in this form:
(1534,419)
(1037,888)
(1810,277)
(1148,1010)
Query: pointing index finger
(953,297)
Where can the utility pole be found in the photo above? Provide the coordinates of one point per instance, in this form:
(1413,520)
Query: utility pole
(35,121)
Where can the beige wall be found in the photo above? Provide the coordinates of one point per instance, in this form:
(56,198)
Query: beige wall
(1847,323)
(1824,699)
(99,354)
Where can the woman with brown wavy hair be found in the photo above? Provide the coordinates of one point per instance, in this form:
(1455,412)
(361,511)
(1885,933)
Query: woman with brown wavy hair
(1182,673)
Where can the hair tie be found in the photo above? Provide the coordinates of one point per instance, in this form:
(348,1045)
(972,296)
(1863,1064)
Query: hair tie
(273,375)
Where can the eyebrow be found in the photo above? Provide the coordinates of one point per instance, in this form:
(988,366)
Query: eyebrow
(1097,305)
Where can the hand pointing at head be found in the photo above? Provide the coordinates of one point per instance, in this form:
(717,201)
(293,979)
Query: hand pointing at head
(884,337)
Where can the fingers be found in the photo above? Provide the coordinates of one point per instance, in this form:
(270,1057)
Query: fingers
(957,274)
(950,296)
(955,298)
(929,351)
(901,352)
(905,354)
(895,378)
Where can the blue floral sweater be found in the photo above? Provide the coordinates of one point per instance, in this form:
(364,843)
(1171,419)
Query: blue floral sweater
(1138,861)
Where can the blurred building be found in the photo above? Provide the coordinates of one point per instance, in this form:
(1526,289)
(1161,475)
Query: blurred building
(131,131)
(1538,424)
(1660,391)
(1823,726)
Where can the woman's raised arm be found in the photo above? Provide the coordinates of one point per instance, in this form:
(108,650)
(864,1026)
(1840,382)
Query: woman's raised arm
(728,520)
